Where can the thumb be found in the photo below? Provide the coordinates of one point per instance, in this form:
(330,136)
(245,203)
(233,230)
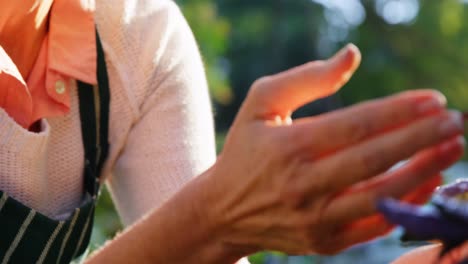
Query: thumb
(282,93)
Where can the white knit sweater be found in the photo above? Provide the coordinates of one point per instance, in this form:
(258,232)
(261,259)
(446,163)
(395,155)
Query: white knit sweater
(161,128)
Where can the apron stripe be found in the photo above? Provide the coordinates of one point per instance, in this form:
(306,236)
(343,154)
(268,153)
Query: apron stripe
(83,233)
(67,235)
(3,200)
(18,237)
(49,243)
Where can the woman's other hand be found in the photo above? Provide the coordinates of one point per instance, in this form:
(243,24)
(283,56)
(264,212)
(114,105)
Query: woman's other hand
(431,255)
(310,185)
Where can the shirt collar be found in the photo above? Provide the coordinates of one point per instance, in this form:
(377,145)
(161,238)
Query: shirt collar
(68,53)
(72,41)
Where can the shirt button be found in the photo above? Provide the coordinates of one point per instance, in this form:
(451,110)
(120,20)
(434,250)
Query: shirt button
(60,87)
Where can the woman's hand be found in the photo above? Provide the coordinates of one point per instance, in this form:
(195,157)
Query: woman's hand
(310,185)
(302,186)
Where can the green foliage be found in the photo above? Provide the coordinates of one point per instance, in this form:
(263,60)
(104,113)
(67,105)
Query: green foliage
(107,222)
(211,32)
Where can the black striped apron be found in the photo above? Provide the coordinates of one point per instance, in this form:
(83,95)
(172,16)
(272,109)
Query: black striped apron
(27,236)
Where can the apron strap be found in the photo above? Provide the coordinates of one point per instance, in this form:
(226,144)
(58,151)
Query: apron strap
(104,92)
(94,114)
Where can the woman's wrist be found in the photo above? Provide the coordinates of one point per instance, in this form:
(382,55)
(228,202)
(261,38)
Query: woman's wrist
(215,249)
(183,230)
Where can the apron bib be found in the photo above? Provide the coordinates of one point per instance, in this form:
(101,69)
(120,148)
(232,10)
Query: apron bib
(30,237)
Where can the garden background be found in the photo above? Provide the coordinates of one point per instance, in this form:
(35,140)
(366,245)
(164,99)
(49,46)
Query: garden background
(406,44)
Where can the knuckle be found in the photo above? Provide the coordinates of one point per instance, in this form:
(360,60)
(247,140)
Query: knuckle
(300,141)
(417,137)
(321,183)
(374,161)
(286,140)
(399,106)
(359,129)
(292,192)
(396,111)
(308,224)
(292,197)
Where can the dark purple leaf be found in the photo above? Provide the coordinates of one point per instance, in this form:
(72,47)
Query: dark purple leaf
(453,200)
(423,222)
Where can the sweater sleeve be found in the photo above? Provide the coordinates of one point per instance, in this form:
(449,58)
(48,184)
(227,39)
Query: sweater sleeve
(172,138)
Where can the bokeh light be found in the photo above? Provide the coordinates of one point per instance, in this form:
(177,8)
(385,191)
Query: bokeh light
(398,11)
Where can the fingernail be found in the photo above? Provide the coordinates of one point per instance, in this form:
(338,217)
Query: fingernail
(345,51)
(351,55)
(440,97)
(451,125)
(448,146)
(429,105)
(435,102)
(357,55)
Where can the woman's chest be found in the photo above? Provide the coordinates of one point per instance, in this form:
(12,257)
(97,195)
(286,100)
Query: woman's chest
(65,159)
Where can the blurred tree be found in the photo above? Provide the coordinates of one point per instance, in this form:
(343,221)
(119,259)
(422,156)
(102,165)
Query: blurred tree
(211,32)
(430,51)
(406,44)
(268,37)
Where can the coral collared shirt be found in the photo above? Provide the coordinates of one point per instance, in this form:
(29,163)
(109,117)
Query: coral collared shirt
(68,53)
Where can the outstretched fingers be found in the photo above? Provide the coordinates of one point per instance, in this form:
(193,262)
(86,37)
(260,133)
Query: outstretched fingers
(359,201)
(320,136)
(376,155)
(375,226)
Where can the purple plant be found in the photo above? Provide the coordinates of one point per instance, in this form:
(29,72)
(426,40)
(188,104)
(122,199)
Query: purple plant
(445,218)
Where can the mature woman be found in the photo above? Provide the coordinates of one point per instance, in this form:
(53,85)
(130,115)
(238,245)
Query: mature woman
(302,186)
